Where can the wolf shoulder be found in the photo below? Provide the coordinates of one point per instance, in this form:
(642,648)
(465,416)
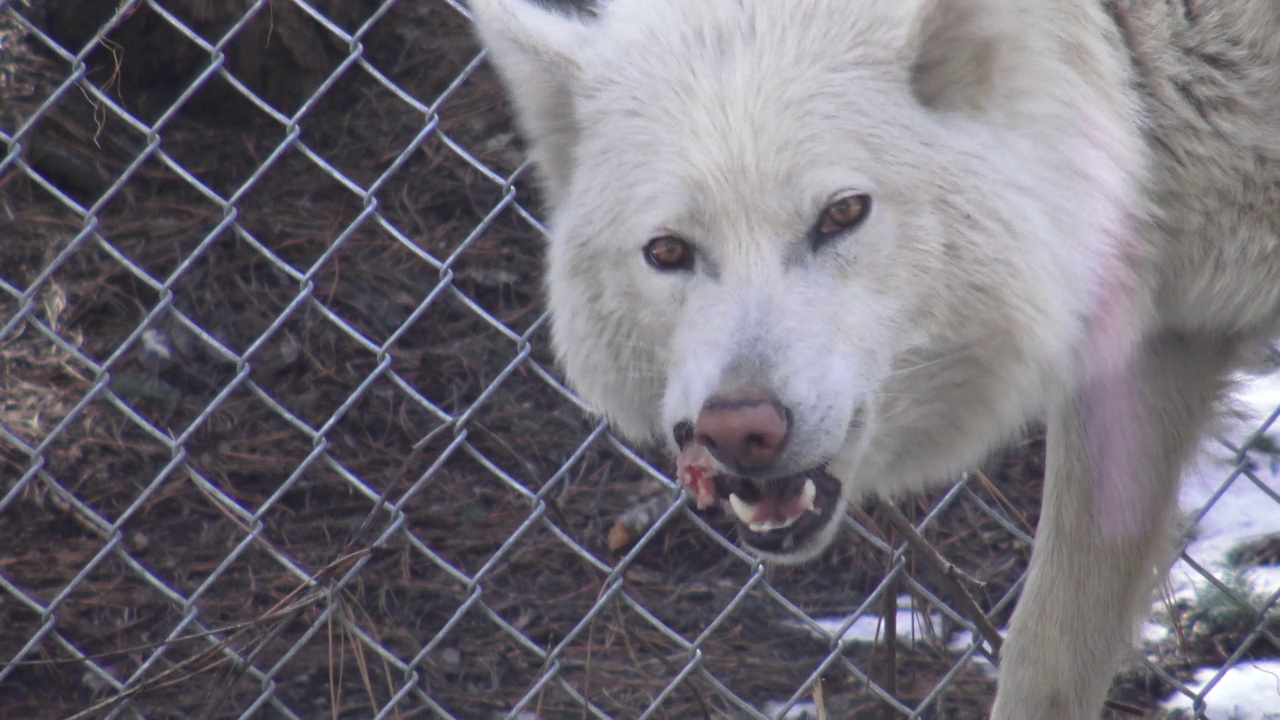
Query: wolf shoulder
(1208,75)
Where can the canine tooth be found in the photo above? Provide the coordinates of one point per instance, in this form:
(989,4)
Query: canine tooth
(807,494)
(742,509)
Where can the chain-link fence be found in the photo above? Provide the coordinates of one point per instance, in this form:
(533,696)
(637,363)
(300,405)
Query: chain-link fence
(279,435)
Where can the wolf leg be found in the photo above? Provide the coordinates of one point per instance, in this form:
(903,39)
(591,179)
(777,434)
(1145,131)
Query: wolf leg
(1115,453)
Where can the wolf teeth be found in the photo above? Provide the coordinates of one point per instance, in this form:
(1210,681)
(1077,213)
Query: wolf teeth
(743,509)
(746,512)
(765,527)
(807,495)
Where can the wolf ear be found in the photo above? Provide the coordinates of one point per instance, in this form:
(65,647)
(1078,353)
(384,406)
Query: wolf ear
(955,49)
(537,54)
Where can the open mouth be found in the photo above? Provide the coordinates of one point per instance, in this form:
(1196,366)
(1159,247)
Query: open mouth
(775,515)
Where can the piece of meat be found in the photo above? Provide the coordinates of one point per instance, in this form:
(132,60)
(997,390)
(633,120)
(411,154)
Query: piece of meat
(696,471)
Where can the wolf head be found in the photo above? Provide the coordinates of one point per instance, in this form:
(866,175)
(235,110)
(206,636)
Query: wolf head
(766,216)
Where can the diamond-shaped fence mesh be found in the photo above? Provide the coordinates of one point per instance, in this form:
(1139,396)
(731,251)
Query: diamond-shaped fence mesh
(280,435)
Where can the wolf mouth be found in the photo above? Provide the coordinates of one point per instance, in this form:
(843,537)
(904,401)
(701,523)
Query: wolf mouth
(775,515)
(781,515)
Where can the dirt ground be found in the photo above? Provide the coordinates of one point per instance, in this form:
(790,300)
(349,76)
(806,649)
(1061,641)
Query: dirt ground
(249,345)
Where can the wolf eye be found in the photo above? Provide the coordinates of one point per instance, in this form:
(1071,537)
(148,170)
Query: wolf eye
(844,214)
(669,253)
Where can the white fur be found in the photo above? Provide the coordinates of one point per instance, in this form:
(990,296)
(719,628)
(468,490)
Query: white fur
(1073,216)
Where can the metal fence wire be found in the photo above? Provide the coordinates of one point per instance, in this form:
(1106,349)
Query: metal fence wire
(280,435)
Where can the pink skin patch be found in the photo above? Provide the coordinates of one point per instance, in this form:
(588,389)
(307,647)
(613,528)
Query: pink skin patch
(696,471)
(1115,431)
(1115,428)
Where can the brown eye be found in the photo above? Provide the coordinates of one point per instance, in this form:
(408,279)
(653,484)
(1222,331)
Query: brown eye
(844,214)
(669,253)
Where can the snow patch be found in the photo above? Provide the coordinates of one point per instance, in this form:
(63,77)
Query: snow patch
(1245,692)
(799,711)
(911,625)
(1155,633)
(960,644)
(1244,511)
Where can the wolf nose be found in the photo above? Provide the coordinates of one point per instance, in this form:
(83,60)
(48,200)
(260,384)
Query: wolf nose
(745,430)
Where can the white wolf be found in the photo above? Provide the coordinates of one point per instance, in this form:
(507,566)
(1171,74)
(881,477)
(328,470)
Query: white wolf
(825,248)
